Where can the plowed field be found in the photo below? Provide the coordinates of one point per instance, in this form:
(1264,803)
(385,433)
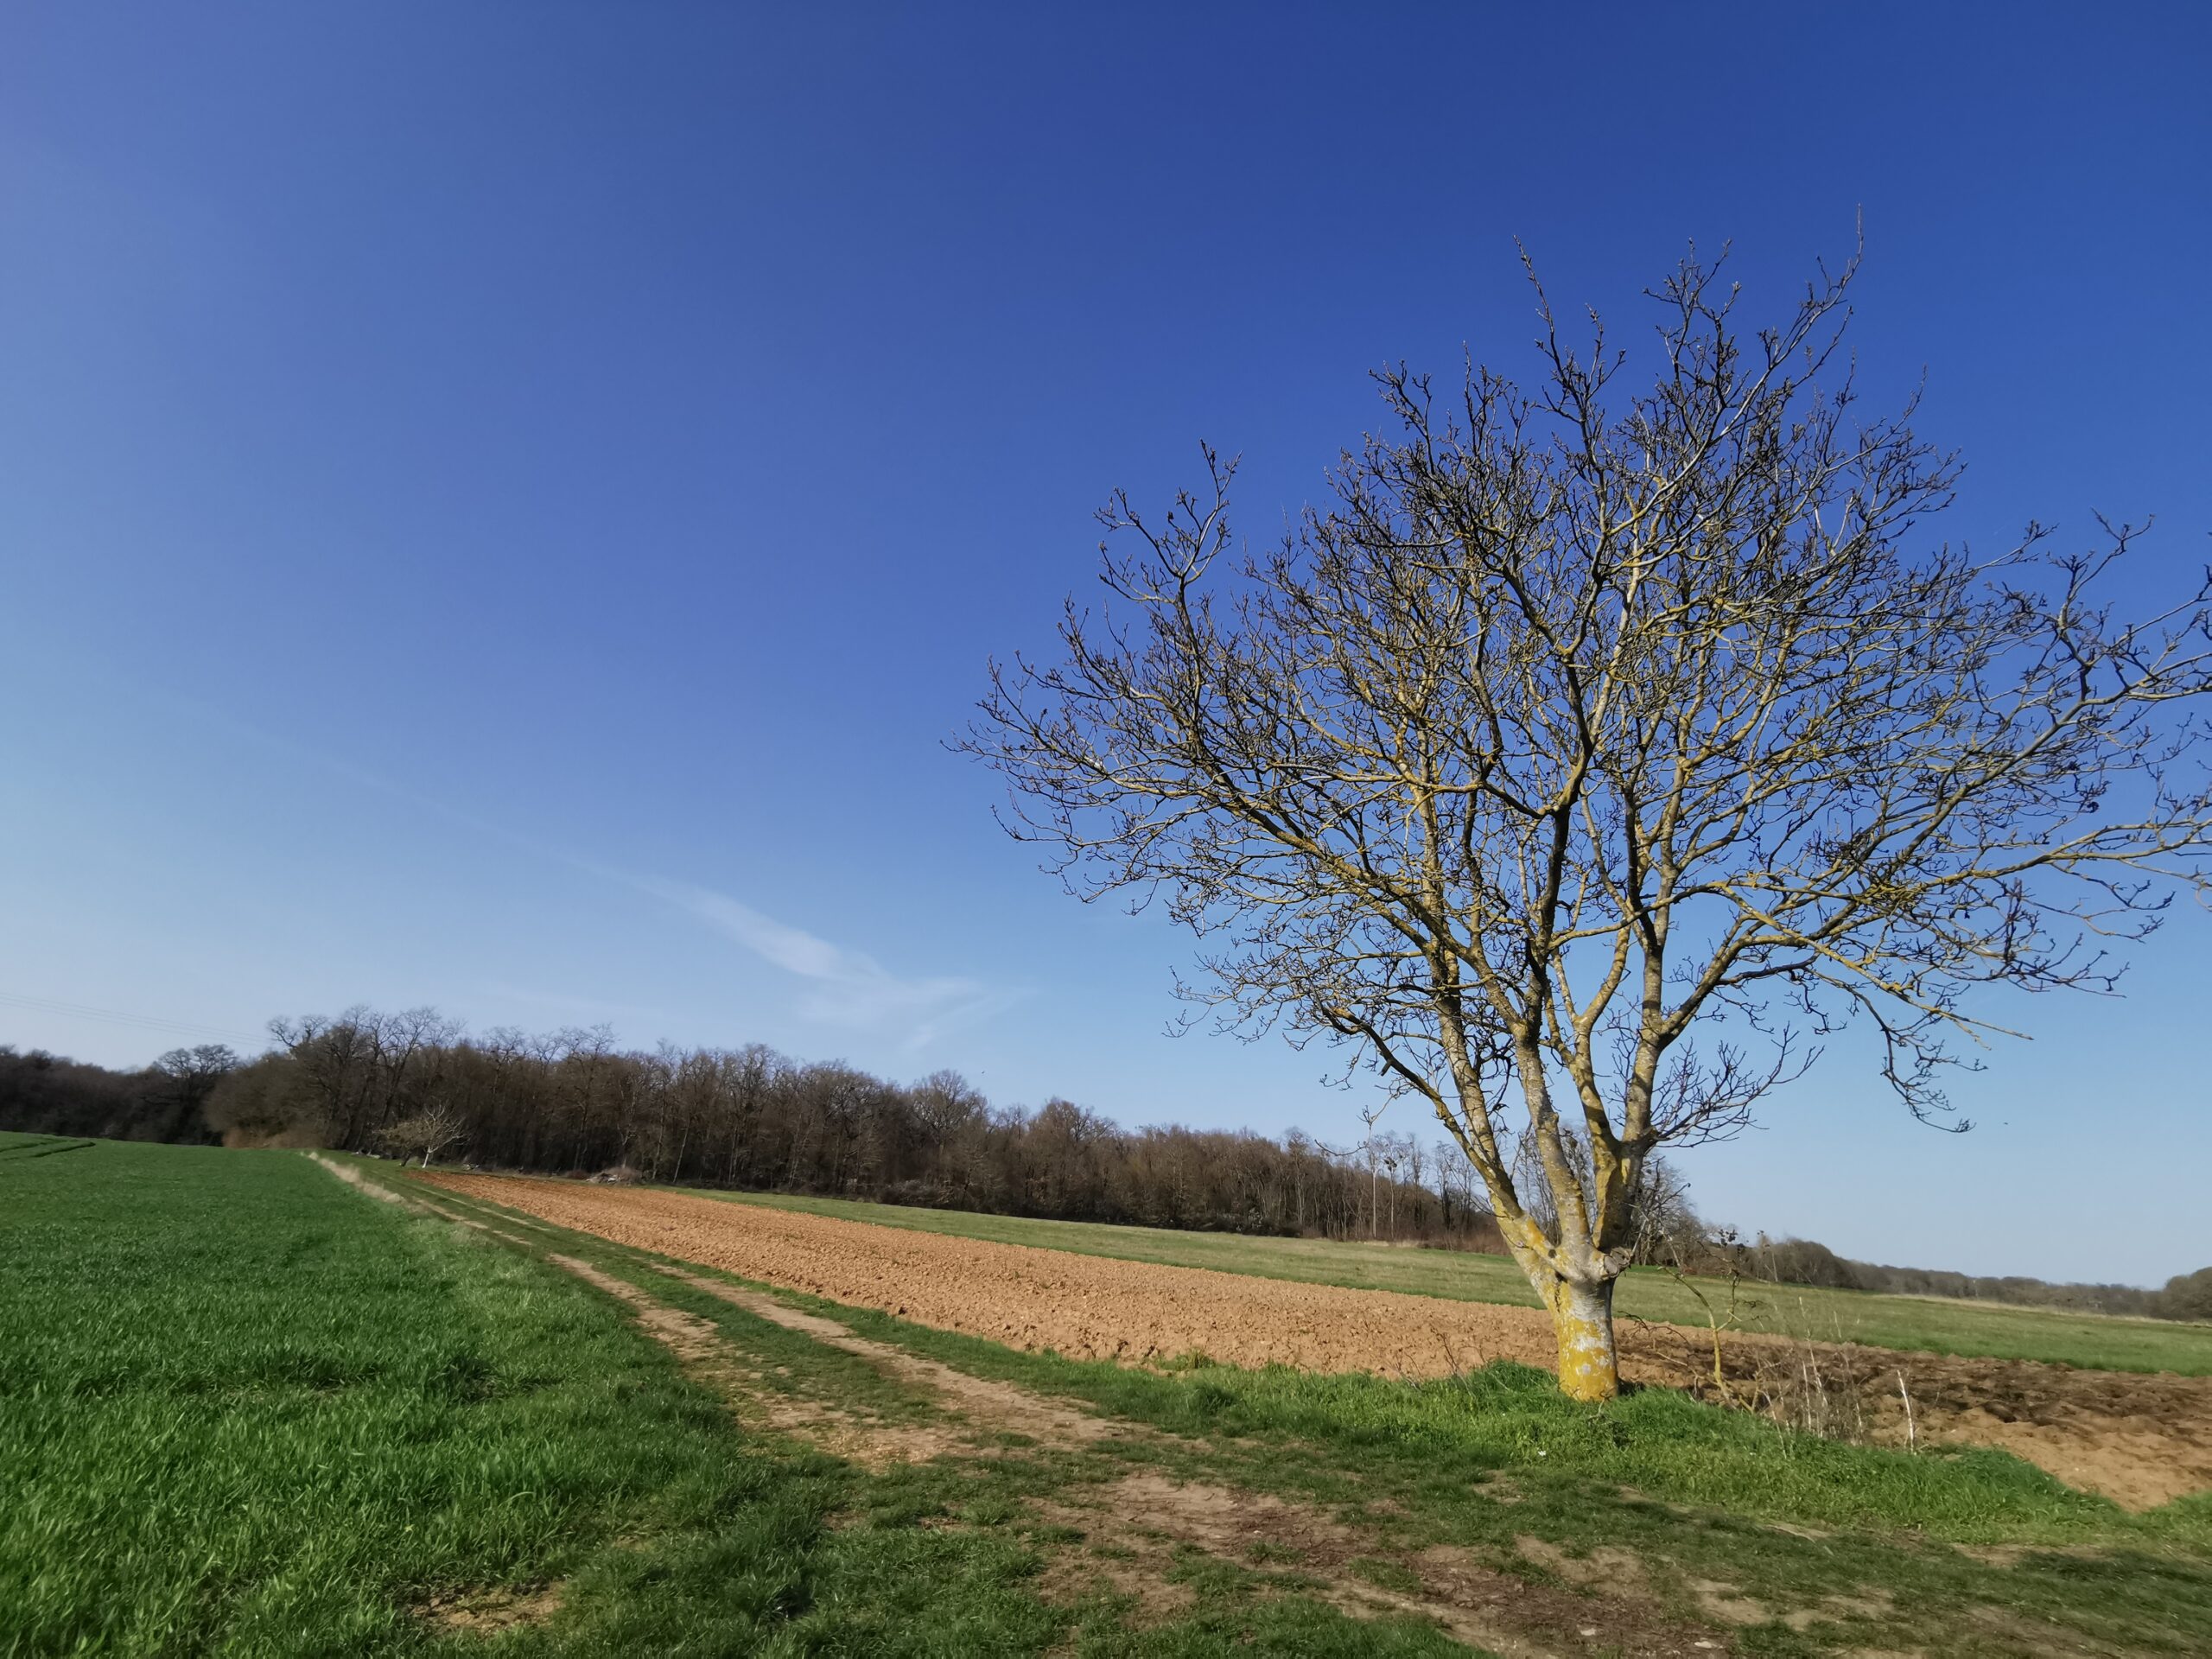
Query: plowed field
(2140,1440)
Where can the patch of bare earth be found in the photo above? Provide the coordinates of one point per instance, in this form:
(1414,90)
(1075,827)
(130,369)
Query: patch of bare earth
(486,1612)
(2140,1439)
(1137,1577)
(1610,1566)
(1145,1520)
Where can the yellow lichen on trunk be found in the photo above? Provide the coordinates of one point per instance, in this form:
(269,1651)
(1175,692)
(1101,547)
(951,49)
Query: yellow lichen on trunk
(1582,1315)
(1582,1310)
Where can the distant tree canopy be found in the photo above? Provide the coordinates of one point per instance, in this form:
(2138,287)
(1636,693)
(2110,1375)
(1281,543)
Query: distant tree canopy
(2187,1296)
(572,1102)
(1803,1261)
(46,1095)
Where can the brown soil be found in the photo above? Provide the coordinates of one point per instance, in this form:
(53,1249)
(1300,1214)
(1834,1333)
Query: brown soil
(1144,1519)
(488,1611)
(2140,1439)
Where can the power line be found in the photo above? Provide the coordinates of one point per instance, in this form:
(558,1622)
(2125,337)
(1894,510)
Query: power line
(116,1017)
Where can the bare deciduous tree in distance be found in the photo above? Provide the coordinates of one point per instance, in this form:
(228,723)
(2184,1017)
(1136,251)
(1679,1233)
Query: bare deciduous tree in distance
(1607,754)
(424,1134)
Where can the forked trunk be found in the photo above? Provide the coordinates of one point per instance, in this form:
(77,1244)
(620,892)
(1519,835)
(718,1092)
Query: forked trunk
(1582,1315)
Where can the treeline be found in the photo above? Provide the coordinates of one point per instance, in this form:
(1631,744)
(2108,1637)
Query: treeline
(572,1102)
(1672,1235)
(166,1101)
(1804,1261)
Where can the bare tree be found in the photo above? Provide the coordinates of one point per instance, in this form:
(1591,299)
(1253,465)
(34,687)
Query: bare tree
(424,1134)
(1606,753)
(337,1061)
(1370,1115)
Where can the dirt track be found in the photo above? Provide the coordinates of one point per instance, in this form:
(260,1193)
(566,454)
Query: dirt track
(2140,1439)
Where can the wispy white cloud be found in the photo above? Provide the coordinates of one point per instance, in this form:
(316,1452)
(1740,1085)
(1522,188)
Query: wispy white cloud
(843,988)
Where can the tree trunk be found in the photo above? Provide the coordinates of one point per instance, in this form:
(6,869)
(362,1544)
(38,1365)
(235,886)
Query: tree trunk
(1582,1316)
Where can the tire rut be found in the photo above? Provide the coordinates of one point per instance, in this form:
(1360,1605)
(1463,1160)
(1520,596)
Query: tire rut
(998,1406)
(704,1352)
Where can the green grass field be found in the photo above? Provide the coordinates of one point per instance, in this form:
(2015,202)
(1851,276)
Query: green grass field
(1935,1324)
(246,1409)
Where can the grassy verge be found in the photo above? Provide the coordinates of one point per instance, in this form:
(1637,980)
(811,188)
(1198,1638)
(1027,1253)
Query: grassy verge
(1930,1323)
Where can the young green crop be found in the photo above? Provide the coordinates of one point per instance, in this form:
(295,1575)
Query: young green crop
(247,1411)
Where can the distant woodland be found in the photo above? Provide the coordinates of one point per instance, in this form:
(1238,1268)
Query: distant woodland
(573,1102)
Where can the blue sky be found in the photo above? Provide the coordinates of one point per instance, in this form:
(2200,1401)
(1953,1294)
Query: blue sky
(500,506)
